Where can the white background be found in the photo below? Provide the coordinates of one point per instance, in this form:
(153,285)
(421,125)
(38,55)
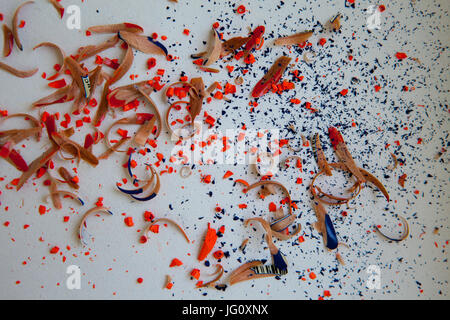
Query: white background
(415,268)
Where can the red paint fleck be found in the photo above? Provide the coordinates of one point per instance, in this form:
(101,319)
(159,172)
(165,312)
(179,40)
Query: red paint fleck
(218,254)
(241,9)
(195,273)
(344,92)
(272,207)
(54,250)
(129,221)
(176,263)
(401,55)
(42,209)
(148,216)
(57,84)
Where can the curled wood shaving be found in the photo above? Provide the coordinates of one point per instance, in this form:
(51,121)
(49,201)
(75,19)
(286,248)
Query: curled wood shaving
(123,95)
(244,272)
(74,150)
(126,64)
(321,159)
(15,24)
(371,178)
(339,200)
(57,48)
(294,39)
(185,172)
(83,225)
(124,121)
(65,194)
(95,79)
(196,97)
(40,161)
(144,132)
(68,178)
(37,125)
(36,164)
(8,41)
(282,223)
(141,43)
(16,72)
(77,73)
(232,45)
(276,234)
(335,23)
(14,136)
(243,244)
(154,192)
(58,7)
(320,211)
(59,96)
(324,226)
(394,157)
(103,106)
(114,28)
(402,180)
(157,113)
(168,282)
(144,188)
(56,199)
(344,154)
(219,272)
(238,81)
(147,230)
(135,178)
(368,176)
(340,259)
(404,235)
(92,50)
(85,154)
(173,134)
(214,51)
(207,69)
(114,148)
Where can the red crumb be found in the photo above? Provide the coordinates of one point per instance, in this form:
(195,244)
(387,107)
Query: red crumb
(129,221)
(176,263)
(54,250)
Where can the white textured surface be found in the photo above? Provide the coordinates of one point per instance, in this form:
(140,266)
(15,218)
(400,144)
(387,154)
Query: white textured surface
(116,258)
